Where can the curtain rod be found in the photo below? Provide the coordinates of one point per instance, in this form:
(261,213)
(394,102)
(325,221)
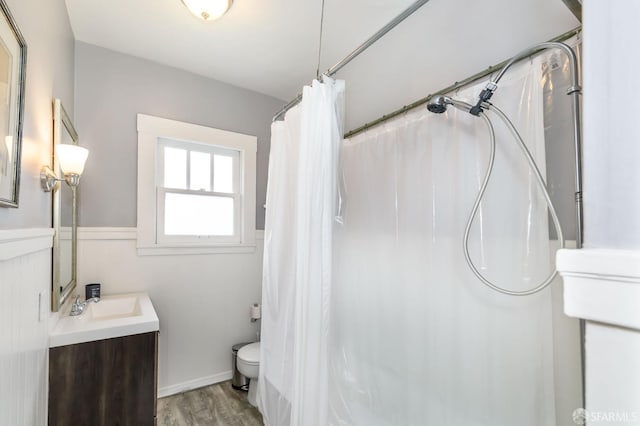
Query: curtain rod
(455,86)
(364,46)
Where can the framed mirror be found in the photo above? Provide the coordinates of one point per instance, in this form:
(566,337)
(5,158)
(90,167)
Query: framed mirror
(13,56)
(65,215)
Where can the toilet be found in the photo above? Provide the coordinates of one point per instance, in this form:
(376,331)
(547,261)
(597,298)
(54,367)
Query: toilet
(249,365)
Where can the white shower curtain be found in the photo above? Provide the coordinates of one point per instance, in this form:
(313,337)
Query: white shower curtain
(413,338)
(301,206)
(416,338)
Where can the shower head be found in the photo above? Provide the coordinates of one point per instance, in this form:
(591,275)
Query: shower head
(438,104)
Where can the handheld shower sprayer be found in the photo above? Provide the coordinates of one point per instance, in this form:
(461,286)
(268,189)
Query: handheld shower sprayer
(439,103)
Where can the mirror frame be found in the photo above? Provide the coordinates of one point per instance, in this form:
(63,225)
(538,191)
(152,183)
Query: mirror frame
(18,46)
(61,291)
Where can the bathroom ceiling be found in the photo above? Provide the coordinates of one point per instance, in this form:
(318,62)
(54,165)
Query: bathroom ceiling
(272,46)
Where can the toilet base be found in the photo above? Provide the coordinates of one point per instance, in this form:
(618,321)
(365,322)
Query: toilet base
(252,396)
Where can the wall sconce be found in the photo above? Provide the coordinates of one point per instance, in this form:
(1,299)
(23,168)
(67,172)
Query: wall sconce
(71,159)
(208,10)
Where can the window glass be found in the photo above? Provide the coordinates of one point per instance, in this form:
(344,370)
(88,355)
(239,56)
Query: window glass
(223,173)
(187,214)
(175,168)
(200,171)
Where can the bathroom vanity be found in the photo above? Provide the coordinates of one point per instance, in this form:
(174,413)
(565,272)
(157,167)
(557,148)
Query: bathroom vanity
(103,364)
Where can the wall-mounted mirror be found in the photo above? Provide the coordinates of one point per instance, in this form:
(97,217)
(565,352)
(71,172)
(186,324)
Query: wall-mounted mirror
(65,213)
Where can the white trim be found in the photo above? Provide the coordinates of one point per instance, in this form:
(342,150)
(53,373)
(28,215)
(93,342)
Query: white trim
(106,233)
(20,242)
(602,285)
(121,233)
(623,263)
(194,384)
(167,250)
(173,129)
(150,130)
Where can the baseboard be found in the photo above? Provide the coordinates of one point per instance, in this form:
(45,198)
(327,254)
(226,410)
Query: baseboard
(194,384)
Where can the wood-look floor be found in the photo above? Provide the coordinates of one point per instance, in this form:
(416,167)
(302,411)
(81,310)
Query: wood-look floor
(215,405)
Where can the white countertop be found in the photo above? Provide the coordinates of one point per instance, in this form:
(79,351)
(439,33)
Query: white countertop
(113,316)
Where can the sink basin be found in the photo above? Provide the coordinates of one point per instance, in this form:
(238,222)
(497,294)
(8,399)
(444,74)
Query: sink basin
(113,316)
(114,307)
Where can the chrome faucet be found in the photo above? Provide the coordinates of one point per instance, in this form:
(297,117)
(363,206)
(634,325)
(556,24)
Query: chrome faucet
(78,307)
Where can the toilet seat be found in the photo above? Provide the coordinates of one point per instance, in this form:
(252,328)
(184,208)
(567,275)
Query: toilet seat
(250,353)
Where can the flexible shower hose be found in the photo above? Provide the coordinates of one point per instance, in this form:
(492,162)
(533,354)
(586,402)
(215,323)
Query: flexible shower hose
(483,187)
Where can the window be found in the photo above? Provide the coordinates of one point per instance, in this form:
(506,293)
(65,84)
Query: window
(196,188)
(198,192)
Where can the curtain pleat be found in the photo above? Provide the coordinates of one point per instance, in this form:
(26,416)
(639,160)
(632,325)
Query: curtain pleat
(301,206)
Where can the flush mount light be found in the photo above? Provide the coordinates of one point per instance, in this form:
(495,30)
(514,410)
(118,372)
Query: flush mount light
(208,10)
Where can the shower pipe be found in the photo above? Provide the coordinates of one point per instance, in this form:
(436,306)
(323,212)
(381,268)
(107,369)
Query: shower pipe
(574,91)
(357,51)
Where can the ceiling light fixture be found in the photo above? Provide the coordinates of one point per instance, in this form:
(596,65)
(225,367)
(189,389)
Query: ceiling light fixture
(208,10)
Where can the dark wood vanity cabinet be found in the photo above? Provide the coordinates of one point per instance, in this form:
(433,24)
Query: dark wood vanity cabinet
(110,382)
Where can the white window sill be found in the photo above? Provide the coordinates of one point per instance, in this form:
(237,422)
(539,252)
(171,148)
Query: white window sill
(176,250)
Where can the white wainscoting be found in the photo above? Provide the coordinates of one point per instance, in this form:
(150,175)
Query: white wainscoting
(25,279)
(203,301)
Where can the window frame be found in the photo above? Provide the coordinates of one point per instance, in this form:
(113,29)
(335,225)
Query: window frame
(153,134)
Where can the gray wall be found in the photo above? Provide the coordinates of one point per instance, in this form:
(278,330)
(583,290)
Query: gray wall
(112,88)
(50,50)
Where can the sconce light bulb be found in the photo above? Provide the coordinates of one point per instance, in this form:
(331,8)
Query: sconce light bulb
(72,158)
